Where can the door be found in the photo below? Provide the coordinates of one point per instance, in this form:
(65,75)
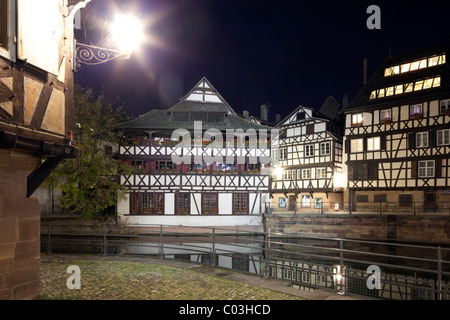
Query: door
(292,203)
(430,202)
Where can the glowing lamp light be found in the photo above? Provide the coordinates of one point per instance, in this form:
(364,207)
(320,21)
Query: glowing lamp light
(279,172)
(339,180)
(127,32)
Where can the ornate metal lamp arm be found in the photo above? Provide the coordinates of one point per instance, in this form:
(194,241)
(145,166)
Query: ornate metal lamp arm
(87,55)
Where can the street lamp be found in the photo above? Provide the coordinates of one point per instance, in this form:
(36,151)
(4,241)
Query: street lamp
(126,33)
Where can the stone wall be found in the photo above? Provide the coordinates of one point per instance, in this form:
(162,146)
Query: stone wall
(407,229)
(19,229)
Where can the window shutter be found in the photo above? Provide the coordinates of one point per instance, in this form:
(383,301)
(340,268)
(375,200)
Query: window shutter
(411,140)
(347,146)
(438,165)
(383,143)
(413,169)
(432,139)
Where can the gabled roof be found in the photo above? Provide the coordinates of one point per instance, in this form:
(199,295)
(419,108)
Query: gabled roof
(328,112)
(202,98)
(379,80)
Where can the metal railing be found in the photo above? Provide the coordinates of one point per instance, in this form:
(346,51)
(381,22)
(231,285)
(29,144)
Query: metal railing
(348,208)
(407,272)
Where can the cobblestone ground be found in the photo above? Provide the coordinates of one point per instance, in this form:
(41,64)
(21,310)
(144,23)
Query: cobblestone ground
(125,280)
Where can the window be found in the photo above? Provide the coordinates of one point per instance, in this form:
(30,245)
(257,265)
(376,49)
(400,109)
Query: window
(283,153)
(406,87)
(405,200)
(310,129)
(216,117)
(210,203)
(422,140)
(301,116)
(180,116)
(415,111)
(445,107)
(146,203)
(139,166)
(240,203)
(309,150)
(321,173)
(306,174)
(306,201)
(379,198)
(385,115)
(324,148)
(443,137)
(426,169)
(287,174)
(357,145)
(373,144)
(362,198)
(163,166)
(182,203)
(4,24)
(415,65)
(357,119)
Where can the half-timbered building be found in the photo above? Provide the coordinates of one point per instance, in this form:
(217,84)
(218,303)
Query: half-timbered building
(191,169)
(36,102)
(308,160)
(397,133)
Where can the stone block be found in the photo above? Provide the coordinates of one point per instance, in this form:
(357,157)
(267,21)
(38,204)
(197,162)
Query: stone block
(9,230)
(29,229)
(27,250)
(6,265)
(17,278)
(20,207)
(28,291)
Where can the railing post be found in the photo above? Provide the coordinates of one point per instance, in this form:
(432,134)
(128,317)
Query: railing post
(414,205)
(213,247)
(49,244)
(341,264)
(105,243)
(439,266)
(161,243)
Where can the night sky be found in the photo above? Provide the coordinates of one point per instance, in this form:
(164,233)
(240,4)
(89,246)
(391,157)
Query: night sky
(287,53)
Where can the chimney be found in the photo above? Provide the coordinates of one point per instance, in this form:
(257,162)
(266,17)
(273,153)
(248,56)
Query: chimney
(278,117)
(246,114)
(345,101)
(365,71)
(264,112)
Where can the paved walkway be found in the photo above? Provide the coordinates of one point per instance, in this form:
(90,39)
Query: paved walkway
(139,278)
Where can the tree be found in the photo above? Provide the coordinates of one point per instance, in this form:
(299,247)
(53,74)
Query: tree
(90,182)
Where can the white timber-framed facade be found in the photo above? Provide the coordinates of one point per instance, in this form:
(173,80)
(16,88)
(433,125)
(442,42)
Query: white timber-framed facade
(217,184)
(307,175)
(397,134)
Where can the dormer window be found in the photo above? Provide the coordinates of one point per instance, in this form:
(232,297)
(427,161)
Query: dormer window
(301,116)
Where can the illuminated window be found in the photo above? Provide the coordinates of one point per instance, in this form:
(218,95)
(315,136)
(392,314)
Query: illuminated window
(373,144)
(415,65)
(357,119)
(287,174)
(381,93)
(356,145)
(428,84)
(389,91)
(385,115)
(399,89)
(306,174)
(409,87)
(437,82)
(426,169)
(321,173)
(324,148)
(415,111)
(418,85)
(422,140)
(306,201)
